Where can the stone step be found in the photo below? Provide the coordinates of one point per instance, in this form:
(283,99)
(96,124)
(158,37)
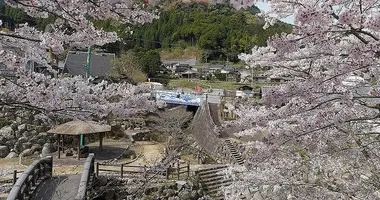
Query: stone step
(215,188)
(210,168)
(215,172)
(218,198)
(204,177)
(210,179)
(217,184)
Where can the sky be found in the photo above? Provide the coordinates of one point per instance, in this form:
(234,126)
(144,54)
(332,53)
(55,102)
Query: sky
(265,7)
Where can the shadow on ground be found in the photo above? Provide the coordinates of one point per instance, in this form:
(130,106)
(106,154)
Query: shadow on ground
(48,188)
(107,153)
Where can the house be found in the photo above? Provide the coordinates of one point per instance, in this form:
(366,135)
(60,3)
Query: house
(247,90)
(177,66)
(231,74)
(189,74)
(212,68)
(180,68)
(247,75)
(76,63)
(280,79)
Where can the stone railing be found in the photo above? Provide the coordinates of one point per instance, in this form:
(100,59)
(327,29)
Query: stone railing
(31,178)
(87,176)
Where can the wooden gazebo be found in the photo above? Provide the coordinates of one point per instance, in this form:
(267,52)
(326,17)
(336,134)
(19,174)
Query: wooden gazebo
(78,128)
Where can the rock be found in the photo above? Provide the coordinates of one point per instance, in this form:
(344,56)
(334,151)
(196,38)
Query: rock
(18,119)
(41,141)
(194,194)
(12,155)
(185,195)
(47,149)
(69,153)
(34,140)
(4,151)
(36,147)
(43,135)
(18,134)
(22,140)
(21,128)
(17,147)
(10,142)
(2,140)
(14,125)
(33,132)
(27,134)
(26,152)
(7,132)
(26,145)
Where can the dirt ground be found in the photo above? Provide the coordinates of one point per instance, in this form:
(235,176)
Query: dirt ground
(151,152)
(148,153)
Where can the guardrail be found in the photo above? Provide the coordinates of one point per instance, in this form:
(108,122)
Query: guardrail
(88,171)
(31,178)
(174,171)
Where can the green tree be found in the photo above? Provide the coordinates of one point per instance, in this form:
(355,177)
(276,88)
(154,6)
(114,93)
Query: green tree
(150,62)
(127,66)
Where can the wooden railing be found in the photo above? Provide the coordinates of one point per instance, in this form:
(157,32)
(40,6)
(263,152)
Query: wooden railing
(16,175)
(31,178)
(170,172)
(87,176)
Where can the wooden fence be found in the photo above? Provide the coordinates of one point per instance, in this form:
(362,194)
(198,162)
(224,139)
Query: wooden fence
(177,170)
(30,178)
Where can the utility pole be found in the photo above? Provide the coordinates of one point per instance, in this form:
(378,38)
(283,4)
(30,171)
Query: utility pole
(88,66)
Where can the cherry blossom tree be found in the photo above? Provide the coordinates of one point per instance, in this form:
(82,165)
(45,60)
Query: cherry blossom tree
(52,95)
(321,138)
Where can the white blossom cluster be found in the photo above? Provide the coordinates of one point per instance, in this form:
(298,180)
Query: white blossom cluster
(315,146)
(60,96)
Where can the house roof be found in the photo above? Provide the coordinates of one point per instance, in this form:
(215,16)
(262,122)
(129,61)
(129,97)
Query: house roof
(221,67)
(191,61)
(190,72)
(76,63)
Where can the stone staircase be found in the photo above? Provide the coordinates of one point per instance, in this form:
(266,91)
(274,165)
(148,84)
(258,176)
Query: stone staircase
(212,181)
(233,152)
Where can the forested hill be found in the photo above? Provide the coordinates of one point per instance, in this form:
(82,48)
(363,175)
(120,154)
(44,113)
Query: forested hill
(218,30)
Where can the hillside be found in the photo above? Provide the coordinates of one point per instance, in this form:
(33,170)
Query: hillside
(218,31)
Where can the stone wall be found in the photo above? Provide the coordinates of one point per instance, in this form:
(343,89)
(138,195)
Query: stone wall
(25,139)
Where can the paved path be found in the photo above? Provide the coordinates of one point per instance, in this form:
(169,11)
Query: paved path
(64,187)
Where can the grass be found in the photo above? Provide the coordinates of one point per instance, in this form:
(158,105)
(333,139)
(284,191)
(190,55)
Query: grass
(179,53)
(206,84)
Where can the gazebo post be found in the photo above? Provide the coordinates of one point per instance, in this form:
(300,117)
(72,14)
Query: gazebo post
(100,141)
(78,147)
(59,146)
(63,139)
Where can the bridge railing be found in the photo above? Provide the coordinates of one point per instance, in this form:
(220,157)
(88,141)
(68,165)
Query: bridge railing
(88,171)
(31,178)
